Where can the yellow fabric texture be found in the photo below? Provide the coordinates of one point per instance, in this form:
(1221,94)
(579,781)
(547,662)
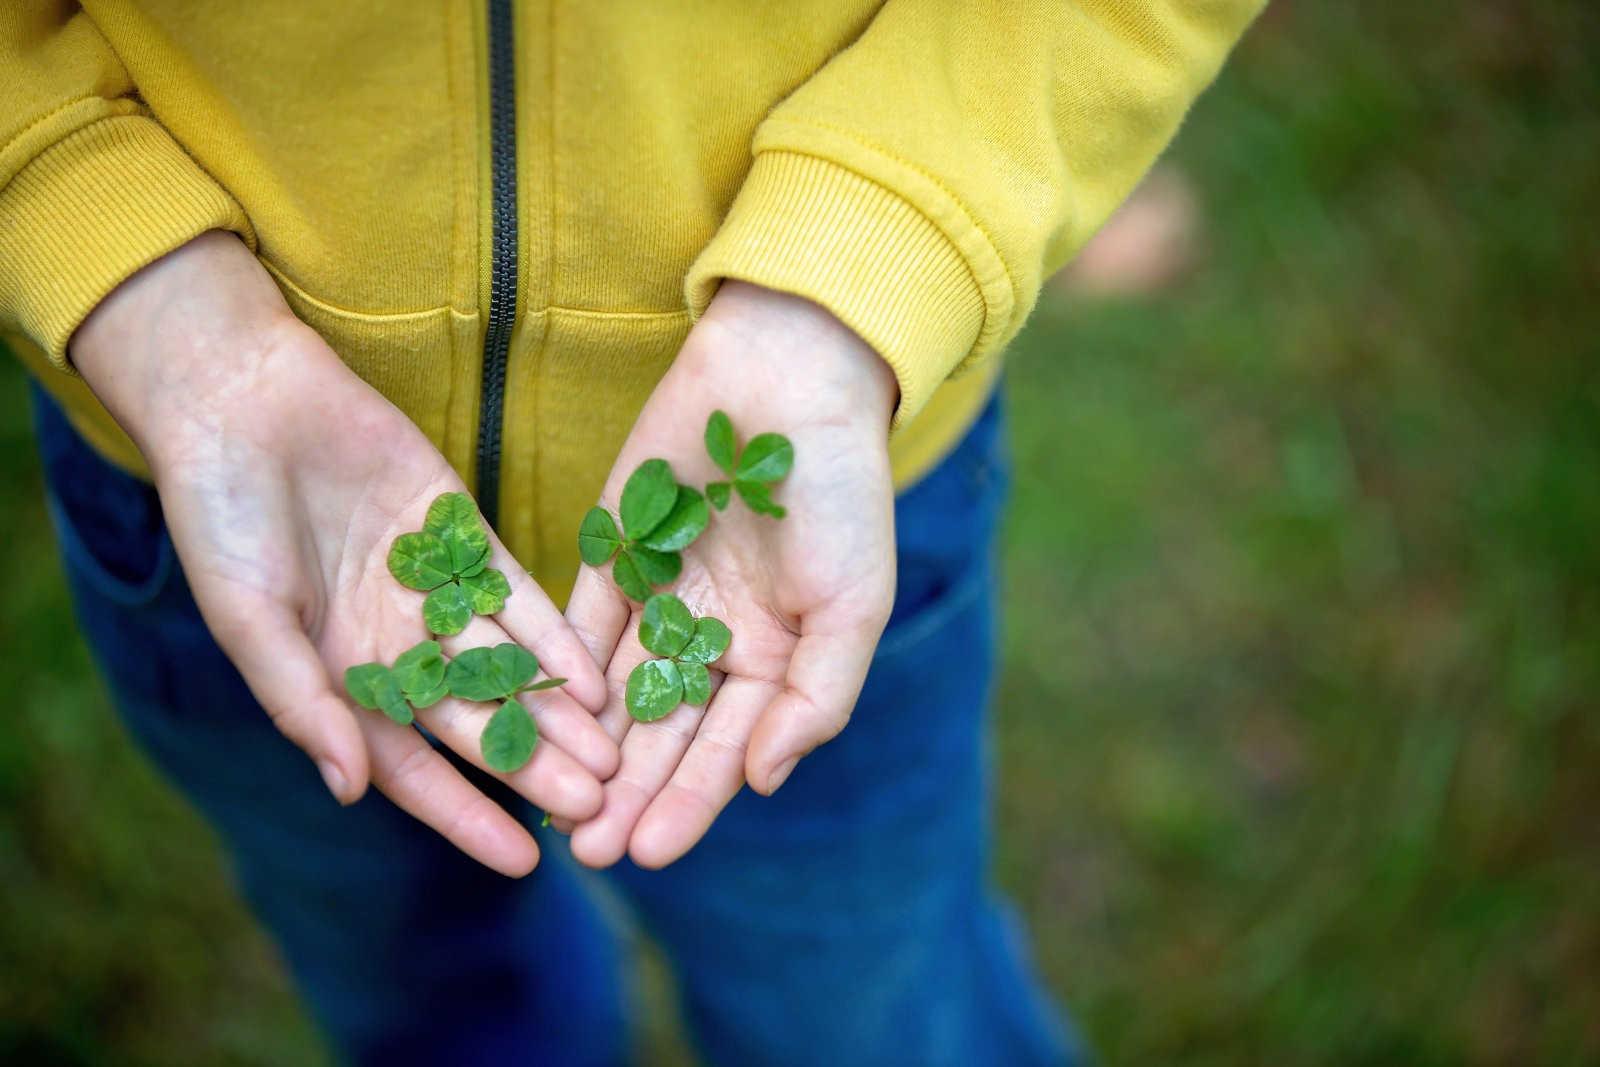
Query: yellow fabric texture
(917,167)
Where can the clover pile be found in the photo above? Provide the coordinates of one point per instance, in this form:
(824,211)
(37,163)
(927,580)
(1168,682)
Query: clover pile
(660,518)
(448,560)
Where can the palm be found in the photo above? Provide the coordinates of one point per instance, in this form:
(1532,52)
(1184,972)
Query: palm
(284,524)
(805,596)
(765,577)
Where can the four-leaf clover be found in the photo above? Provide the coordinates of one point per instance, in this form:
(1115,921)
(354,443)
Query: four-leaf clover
(686,645)
(448,559)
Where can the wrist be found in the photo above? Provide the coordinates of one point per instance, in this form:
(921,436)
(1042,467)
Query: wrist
(806,346)
(176,341)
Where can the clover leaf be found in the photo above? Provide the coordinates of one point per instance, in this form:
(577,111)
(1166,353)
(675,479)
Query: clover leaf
(696,682)
(509,738)
(719,441)
(446,611)
(372,685)
(758,498)
(765,460)
(453,519)
(710,640)
(657,568)
(598,537)
(429,698)
(625,572)
(654,689)
(647,497)
(487,591)
(420,561)
(419,670)
(686,645)
(666,625)
(686,521)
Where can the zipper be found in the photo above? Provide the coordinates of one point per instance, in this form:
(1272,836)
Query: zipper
(503,252)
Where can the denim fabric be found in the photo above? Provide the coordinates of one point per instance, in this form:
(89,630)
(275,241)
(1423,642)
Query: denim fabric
(848,920)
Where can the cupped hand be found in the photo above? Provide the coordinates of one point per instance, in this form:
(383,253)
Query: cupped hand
(284,479)
(806,596)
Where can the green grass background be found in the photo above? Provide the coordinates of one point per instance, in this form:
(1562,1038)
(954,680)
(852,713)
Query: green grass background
(1299,754)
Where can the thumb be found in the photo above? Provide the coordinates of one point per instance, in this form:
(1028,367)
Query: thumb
(825,676)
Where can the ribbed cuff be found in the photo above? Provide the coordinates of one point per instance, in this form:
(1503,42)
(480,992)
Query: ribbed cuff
(804,225)
(92,210)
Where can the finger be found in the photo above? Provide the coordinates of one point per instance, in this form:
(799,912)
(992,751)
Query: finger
(264,639)
(824,679)
(650,752)
(599,614)
(534,622)
(422,783)
(551,779)
(614,718)
(707,777)
(562,721)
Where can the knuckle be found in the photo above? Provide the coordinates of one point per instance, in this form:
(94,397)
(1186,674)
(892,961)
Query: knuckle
(291,723)
(825,721)
(399,778)
(470,820)
(735,747)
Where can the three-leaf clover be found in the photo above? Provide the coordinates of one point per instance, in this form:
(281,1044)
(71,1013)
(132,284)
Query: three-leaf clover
(660,518)
(415,681)
(753,471)
(421,678)
(448,559)
(500,673)
(686,645)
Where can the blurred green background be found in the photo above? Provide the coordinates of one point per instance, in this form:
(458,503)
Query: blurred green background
(1298,742)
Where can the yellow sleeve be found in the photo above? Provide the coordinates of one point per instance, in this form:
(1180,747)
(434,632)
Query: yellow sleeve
(925,182)
(91,186)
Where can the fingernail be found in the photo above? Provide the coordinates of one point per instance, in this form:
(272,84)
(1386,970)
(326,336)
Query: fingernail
(781,775)
(337,783)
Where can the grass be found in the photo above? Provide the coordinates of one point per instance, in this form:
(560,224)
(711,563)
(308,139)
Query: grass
(1299,749)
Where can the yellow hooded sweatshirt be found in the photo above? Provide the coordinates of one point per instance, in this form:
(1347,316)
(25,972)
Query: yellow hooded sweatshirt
(506,215)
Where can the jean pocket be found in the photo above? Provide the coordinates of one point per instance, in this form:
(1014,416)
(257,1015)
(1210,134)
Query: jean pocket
(907,753)
(107,522)
(945,524)
(105,572)
(914,633)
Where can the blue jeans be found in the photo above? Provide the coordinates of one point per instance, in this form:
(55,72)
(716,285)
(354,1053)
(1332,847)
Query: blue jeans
(848,920)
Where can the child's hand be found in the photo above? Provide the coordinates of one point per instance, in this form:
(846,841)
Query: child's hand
(806,596)
(284,478)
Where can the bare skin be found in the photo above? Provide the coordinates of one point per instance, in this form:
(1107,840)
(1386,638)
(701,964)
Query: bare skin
(284,478)
(807,597)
